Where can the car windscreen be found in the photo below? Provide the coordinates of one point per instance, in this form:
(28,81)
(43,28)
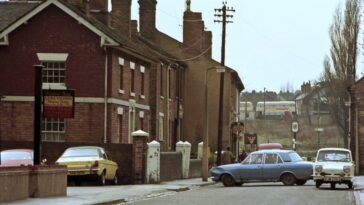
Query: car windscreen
(83,152)
(295,157)
(334,155)
(11,155)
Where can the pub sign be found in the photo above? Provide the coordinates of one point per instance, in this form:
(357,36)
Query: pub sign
(58,103)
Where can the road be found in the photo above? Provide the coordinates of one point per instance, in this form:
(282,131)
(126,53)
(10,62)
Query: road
(256,194)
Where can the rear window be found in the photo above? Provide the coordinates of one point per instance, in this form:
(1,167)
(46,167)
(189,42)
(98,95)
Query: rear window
(82,152)
(15,155)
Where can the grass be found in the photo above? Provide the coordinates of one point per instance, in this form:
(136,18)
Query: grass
(308,141)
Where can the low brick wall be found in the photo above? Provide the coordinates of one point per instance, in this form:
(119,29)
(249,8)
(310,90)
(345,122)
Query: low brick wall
(47,181)
(14,182)
(170,166)
(120,153)
(195,168)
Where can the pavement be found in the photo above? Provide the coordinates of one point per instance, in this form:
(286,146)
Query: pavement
(107,195)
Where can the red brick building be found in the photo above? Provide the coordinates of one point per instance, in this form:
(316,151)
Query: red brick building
(123,79)
(109,74)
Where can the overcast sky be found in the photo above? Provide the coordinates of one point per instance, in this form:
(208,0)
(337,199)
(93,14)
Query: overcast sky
(271,43)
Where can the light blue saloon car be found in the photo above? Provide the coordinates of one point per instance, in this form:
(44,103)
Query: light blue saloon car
(265,166)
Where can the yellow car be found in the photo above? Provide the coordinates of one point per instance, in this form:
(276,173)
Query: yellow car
(89,162)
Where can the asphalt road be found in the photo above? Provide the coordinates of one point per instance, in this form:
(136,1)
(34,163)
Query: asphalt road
(256,194)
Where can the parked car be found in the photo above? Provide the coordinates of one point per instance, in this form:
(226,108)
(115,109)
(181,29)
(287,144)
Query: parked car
(334,166)
(89,162)
(265,166)
(269,146)
(16,157)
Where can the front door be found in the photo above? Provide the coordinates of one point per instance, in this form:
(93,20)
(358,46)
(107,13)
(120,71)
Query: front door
(251,168)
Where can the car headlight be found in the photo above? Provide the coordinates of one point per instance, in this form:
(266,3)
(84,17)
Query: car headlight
(347,169)
(318,168)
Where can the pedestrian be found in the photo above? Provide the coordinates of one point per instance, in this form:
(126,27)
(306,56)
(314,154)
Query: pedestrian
(227,156)
(242,156)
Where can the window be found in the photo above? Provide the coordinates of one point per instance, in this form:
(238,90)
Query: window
(120,128)
(169,83)
(132,76)
(161,126)
(53,129)
(121,64)
(142,71)
(161,82)
(270,158)
(54,72)
(256,158)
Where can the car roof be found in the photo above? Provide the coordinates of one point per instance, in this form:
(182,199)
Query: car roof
(85,147)
(273,151)
(18,150)
(334,148)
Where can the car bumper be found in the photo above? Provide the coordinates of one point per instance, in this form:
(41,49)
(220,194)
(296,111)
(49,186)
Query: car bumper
(330,178)
(82,172)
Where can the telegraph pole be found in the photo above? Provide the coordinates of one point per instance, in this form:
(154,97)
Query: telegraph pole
(222,12)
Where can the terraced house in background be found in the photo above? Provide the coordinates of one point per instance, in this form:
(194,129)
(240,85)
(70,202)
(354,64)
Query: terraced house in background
(124,78)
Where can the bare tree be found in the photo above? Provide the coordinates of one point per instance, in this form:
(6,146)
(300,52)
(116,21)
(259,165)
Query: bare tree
(340,65)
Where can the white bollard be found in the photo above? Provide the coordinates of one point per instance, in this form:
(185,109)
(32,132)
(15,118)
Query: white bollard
(185,149)
(153,163)
(200,150)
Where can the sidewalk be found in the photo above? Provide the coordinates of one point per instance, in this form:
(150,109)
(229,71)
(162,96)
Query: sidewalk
(359,190)
(116,194)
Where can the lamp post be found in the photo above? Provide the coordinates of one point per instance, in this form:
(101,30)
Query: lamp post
(205,161)
(1,97)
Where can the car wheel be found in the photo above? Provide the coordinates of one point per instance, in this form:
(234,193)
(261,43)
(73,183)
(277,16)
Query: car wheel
(227,180)
(350,185)
(102,179)
(115,181)
(332,185)
(288,179)
(301,182)
(318,184)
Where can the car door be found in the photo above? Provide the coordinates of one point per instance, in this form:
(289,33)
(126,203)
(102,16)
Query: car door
(251,168)
(272,167)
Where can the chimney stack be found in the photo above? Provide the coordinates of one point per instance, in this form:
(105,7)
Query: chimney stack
(147,18)
(207,44)
(193,32)
(121,14)
(134,26)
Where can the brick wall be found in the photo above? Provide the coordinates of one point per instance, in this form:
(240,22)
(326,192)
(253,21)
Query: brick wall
(120,153)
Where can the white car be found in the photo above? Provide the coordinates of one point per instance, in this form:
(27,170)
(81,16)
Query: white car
(334,166)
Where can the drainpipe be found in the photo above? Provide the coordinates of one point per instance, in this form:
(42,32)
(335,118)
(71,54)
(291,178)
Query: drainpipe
(105,95)
(168,97)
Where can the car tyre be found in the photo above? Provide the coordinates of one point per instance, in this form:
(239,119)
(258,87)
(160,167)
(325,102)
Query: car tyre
(115,180)
(350,185)
(332,185)
(102,179)
(288,179)
(301,182)
(318,184)
(227,180)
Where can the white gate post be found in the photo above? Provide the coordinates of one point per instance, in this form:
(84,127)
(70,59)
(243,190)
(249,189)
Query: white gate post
(153,162)
(185,149)
(199,150)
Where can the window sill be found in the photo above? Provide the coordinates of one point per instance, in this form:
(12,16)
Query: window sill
(132,94)
(54,86)
(162,97)
(121,91)
(142,97)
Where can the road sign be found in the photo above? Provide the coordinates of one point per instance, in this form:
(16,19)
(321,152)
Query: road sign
(294,126)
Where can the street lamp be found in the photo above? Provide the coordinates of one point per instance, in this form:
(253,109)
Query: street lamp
(205,162)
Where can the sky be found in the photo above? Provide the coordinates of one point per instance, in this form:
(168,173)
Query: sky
(271,43)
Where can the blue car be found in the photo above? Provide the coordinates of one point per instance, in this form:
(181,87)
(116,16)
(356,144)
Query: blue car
(265,166)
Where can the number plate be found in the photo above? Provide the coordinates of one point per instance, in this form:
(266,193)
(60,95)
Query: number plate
(332,179)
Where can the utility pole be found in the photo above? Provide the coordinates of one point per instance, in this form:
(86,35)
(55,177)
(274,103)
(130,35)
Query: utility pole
(222,13)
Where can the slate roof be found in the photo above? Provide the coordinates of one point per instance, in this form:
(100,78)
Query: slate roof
(11,12)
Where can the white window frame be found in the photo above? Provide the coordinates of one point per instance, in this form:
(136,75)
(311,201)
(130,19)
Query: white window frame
(161,127)
(60,133)
(53,57)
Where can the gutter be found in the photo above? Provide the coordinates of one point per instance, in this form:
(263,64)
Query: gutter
(105,95)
